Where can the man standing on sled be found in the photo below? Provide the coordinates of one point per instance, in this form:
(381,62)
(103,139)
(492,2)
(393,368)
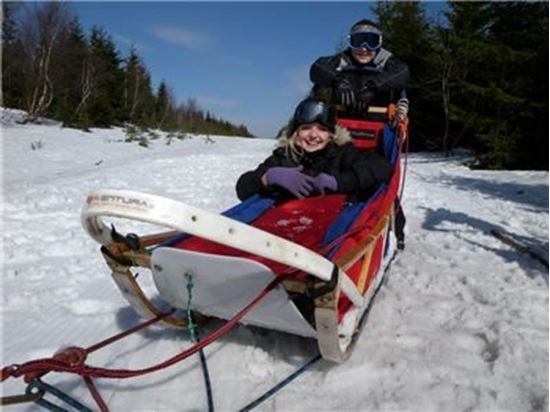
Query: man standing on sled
(364,74)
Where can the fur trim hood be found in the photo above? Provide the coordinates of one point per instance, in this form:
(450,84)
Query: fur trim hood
(340,136)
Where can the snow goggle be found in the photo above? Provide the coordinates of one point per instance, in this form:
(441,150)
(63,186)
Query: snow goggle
(371,39)
(311,111)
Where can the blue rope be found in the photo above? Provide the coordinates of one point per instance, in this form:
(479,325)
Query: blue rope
(43,387)
(281,384)
(194,332)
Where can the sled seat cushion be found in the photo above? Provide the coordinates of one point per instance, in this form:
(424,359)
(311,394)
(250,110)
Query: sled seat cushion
(302,221)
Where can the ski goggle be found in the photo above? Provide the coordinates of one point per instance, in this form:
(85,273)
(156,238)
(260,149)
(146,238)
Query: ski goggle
(311,111)
(371,39)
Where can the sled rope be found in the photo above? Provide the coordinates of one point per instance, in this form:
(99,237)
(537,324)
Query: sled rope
(73,359)
(281,384)
(194,332)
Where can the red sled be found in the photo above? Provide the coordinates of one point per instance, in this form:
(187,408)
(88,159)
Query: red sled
(323,257)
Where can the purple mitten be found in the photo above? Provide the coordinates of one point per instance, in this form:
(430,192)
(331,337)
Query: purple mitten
(291,179)
(325,181)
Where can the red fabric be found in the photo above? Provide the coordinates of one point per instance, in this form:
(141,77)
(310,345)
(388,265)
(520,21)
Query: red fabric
(302,221)
(368,219)
(366,134)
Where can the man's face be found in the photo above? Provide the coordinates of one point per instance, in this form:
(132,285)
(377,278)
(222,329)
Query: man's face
(363,55)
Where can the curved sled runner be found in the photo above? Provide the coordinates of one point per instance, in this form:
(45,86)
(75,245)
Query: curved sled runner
(332,254)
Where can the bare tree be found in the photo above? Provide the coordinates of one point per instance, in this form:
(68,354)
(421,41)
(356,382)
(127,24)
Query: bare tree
(41,28)
(86,85)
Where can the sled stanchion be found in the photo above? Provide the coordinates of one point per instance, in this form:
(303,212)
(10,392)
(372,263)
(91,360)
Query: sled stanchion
(281,384)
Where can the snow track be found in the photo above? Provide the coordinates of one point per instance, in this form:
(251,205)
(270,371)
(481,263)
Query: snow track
(462,322)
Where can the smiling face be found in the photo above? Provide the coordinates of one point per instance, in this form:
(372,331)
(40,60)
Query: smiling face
(312,137)
(363,55)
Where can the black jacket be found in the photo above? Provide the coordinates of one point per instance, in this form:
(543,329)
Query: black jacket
(378,83)
(357,173)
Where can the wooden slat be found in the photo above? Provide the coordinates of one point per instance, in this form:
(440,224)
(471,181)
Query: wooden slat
(365,268)
(348,258)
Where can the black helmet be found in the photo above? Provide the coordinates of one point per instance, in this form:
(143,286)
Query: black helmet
(313,111)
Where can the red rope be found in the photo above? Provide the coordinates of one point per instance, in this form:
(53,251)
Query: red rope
(121,335)
(72,360)
(95,394)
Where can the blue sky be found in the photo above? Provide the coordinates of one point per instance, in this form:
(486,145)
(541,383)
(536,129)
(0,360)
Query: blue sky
(247,62)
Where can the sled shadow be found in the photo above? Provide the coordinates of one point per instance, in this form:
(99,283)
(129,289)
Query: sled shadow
(435,217)
(534,196)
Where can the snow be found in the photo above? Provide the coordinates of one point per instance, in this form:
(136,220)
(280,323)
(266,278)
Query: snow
(461,324)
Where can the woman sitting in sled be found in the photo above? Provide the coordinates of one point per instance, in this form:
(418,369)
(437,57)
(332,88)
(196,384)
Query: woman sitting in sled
(315,156)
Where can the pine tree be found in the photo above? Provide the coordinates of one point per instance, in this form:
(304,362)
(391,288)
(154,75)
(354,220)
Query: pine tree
(500,84)
(139,101)
(164,108)
(73,88)
(407,35)
(13,58)
(106,103)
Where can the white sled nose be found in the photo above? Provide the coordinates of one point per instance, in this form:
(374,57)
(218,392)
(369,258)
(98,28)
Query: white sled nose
(223,285)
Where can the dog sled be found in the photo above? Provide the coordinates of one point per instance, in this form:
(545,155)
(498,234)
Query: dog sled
(325,255)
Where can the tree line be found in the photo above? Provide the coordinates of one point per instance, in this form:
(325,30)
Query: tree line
(479,78)
(51,67)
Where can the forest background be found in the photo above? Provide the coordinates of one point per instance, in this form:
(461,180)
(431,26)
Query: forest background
(479,77)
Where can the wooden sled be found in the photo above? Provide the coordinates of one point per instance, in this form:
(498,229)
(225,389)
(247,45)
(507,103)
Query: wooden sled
(334,278)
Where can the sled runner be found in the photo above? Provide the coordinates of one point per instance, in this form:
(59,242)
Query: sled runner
(329,255)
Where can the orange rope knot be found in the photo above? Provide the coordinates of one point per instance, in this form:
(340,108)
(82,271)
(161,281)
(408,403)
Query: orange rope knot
(72,355)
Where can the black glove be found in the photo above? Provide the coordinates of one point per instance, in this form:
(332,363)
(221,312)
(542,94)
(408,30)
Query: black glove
(344,93)
(366,95)
(363,101)
(360,107)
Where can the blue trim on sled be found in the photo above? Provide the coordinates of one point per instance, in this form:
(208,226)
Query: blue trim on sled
(389,144)
(347,218)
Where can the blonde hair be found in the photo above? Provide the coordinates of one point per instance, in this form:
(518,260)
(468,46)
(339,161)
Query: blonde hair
(293,151)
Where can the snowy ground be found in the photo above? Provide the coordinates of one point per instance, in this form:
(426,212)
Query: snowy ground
(462,323)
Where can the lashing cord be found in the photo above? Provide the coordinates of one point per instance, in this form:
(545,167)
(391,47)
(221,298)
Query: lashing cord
(195,337)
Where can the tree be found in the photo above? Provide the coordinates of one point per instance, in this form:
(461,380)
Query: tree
(407,35)
(138,97)
(73,80)
(41,29)
(500,84)
(13,58)
(164,108)
(106,104)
